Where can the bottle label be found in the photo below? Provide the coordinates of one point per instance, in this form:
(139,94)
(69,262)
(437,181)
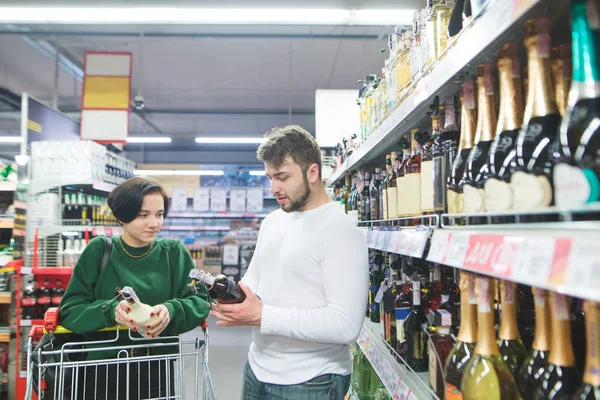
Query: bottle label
(401,314)
(474,200)
(44,300)
(427,189)
(501,151)
(56,300)
(392,203)
(432,366)
(498,195)
(530,191)
(385,204)
(412,196)
(574,187)
(401,196)
(28,302)
(439,174)
(452,392)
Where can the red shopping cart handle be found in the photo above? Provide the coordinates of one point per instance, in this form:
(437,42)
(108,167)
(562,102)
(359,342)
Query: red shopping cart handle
(36,332)
(204,325)
(51,319)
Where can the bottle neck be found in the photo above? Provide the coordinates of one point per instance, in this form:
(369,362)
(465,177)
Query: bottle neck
(561,350)
(467,332)
(486,109)
(508,317)
(486,336)
(415,147)
(416,294)
(450,116)
(540,91)
(468,117)
(541,339)
(511,103)
(592,333)
(585,61)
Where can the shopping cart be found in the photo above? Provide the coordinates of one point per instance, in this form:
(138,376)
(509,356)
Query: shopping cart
(64,372)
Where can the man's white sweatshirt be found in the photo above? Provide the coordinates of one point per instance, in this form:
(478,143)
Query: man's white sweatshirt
(311,271)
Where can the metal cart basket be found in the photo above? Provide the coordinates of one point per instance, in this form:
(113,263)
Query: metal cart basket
(60,369)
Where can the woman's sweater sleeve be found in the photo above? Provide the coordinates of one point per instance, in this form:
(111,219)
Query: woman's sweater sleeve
(187,309)
(79,310)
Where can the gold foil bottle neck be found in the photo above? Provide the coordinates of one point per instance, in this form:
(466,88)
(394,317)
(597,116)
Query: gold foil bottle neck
(541,339)
(592,331)
(510,116)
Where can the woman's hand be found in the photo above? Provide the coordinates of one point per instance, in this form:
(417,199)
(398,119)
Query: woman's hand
(157,326)
(122,316)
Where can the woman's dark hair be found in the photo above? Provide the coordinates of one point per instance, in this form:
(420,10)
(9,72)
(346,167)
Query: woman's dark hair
(127,198)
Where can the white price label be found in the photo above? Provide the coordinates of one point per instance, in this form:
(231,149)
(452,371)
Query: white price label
(403,391)
(439,246)
(237,200)
(457,249)
(419,243)
(534,260)
(394,236)
(255,200)
(584,265)
(179,199)
(380,239)
(407,240)
(218,200)
(231,254)
(385,243)
(201,200)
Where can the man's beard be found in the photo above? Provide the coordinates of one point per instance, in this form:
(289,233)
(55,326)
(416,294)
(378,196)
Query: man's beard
(296,205)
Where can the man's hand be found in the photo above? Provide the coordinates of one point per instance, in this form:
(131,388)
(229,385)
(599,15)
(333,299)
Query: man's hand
(248,313)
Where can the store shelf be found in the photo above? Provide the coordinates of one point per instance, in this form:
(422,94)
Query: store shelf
(195,228)
(54,271)
(7,222)
(476,42)
(7,186)
(5,297)
(96,230)
(400,380)
(216,215)
(88,184)
(406,241)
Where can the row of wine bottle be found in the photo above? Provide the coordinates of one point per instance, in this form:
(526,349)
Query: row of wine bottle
(510,159)
(512,341)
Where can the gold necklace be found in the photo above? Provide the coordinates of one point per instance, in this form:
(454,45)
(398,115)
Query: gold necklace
(126,252)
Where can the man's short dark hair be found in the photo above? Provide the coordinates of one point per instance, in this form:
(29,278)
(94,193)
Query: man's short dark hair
(127,198)
(290,141)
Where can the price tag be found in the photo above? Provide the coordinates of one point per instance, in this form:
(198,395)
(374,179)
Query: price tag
(254,200)
(406,243)
(370,234)
(394,236)
(237,200)
(584,264)
(411,396)
(534,260)
(179,199)
(491,254)
(403,391)
(231,254)
(201,200)
(218,200)
(385,243)
(439,246)
(457,249)
(421,237)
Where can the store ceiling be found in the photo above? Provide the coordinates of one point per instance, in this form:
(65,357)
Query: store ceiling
(201,80)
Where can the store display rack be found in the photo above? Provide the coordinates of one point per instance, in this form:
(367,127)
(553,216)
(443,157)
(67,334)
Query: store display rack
(398,378)
(476,43)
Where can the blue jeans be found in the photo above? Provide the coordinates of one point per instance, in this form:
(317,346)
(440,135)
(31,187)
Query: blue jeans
(323,387)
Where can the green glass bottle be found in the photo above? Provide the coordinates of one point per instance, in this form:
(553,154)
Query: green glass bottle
(509,341)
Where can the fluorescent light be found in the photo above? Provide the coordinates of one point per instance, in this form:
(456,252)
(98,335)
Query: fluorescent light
(229,140)
(148,139)
(217,16)
(11,139)
(257,173)
(180,172)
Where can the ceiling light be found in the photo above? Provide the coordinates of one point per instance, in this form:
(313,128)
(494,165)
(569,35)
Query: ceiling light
(257,173)
(229,140)
(11,139)
(216,16)
(148,139)
(180,172)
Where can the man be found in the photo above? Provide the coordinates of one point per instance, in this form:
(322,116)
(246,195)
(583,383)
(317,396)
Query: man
(310,269)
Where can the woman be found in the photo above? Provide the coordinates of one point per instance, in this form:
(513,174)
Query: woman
(156,269)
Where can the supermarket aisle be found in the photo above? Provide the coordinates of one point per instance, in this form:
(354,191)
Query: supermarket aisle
(228,352)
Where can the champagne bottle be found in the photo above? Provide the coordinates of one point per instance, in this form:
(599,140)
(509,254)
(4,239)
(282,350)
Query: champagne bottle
(473,178)
(532,176)
(562,378)
(416,339)
(562,72)
(220,288)
(498,194)
(509,341)
(464,348)
(487,376)
(467,133)
(534,367)
(590,389)
(577,171)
